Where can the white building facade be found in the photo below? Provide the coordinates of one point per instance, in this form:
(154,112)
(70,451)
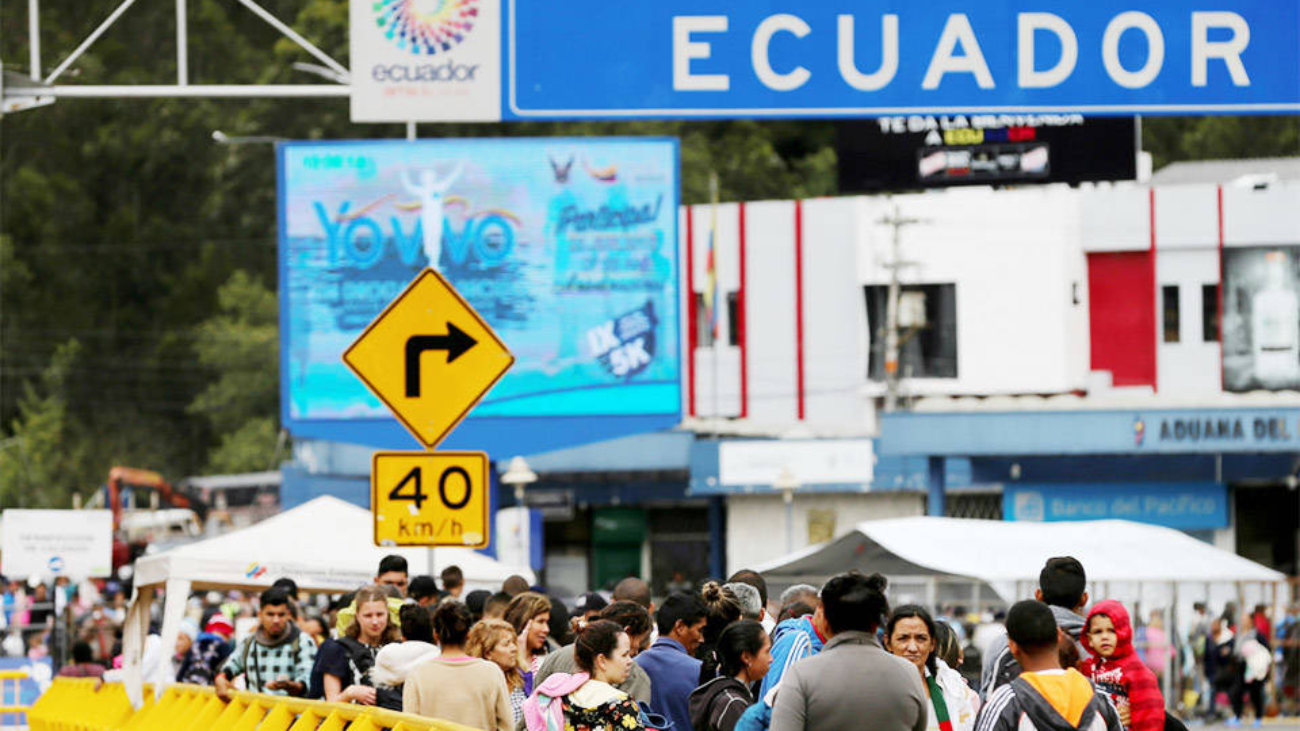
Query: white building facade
(1037,300)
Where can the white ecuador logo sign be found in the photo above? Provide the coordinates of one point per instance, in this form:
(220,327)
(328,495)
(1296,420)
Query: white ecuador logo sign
(426,60)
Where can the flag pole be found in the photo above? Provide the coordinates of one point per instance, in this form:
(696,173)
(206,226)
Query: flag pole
(713,300)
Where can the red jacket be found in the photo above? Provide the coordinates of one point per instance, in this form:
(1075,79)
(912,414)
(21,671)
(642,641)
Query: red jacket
(1123,676)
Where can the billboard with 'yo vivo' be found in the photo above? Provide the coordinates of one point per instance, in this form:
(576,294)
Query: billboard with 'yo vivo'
(566,246)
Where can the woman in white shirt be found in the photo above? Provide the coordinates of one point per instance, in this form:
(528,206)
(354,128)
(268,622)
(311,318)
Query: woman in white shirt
(910,634)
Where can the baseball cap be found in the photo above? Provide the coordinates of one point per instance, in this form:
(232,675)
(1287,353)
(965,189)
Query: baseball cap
(220,624)
(590,602)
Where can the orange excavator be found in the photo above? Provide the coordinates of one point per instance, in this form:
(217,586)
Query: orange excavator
(122,480)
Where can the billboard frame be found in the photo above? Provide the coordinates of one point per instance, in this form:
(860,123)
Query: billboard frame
(497,435)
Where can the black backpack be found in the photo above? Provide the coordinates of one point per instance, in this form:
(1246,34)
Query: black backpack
(360,659)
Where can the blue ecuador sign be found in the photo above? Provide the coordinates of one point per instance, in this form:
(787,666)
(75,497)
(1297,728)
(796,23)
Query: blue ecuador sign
(827,58)
(567,247)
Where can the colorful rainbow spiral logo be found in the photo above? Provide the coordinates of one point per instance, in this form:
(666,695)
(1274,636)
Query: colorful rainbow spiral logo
(426,27)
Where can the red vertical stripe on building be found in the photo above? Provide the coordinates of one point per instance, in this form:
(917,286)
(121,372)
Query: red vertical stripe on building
(1155,290)
(798,305)
(1218,325)
(692,334)
(741,331)
(1122,316)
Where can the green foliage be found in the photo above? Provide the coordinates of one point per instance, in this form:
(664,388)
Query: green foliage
(253,447)
(240,346)
(35,459)
(1173,139)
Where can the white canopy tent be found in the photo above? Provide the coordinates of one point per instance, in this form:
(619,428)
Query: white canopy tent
(977,562)
(325,545)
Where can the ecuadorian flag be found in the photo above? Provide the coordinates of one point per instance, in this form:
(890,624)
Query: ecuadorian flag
(711,281)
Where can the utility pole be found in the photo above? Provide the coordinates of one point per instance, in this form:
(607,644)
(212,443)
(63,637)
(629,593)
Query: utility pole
(897,222)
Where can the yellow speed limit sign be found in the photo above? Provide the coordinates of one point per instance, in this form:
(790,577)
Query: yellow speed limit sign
(430,498)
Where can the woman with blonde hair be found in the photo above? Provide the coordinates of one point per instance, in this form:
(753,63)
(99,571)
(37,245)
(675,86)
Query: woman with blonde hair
(343,666)
(530,615)
(495,640)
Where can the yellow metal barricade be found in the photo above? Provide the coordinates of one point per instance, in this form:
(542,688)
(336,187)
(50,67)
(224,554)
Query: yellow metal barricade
(76,704)
(11,698)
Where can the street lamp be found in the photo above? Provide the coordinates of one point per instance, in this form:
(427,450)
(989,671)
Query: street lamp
(787,483)
(518,475)
(221,138)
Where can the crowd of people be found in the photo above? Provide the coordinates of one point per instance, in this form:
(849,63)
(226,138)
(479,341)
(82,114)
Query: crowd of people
(1225,662)
(1236,656)
(44,622)
(722,658)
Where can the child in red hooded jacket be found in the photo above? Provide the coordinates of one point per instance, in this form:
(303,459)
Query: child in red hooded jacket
(1117,670)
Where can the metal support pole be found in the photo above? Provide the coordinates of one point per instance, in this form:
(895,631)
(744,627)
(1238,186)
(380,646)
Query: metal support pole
(182,45)
(90,41)
(714,247)
(521,512)
(891,325)
(936,502)
(788,496)
(1174,635)
(1171,635)
(192,91)
(293,35)
(1274,607)
(1241,603)
(34,38)
(897,222)
(718,536)
(410,131)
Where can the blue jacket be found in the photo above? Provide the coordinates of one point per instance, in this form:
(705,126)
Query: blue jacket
(673,676)
(757,717)
(792,641)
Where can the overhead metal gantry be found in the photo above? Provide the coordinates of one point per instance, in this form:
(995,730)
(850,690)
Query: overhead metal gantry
(36,89)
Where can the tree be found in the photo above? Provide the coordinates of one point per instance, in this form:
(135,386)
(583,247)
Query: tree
(1174,139)
(240,346)
(257,445)
(35,462)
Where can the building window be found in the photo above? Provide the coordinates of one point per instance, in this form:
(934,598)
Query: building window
(1169,300)
(1210,313)
(927,316)
(733,318)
